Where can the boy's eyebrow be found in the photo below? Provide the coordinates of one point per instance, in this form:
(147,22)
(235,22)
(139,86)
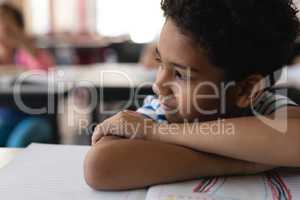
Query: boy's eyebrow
(185,67)
(177,64)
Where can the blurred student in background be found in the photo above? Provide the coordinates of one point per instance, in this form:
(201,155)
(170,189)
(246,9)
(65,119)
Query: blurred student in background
(17,49)
(15,46)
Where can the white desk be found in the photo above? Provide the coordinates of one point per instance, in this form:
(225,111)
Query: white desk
(7,155)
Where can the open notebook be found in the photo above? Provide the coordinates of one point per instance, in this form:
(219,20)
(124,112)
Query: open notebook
(51,172)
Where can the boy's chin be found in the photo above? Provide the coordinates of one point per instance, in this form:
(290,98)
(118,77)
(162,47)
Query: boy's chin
(174,118)
(178,118)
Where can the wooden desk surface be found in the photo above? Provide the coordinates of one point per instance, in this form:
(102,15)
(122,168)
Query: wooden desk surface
(7,155)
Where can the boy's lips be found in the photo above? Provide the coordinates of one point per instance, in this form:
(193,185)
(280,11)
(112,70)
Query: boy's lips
(166,107)
(168,104)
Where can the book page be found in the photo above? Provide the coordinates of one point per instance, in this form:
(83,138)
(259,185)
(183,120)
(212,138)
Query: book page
(268,186)
(53,172)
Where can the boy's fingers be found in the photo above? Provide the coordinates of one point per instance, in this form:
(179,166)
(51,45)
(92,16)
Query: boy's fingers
(97,134)
(100,131)
(109,138)
(96,138)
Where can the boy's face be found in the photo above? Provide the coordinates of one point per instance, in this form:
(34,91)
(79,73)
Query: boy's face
(187,84)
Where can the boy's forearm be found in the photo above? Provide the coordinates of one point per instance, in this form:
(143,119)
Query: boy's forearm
(248,139)
(115,164)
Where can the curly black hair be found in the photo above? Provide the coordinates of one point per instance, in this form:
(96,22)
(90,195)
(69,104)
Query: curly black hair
(242,37)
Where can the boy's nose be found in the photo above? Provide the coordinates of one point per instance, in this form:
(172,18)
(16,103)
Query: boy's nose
(161,87)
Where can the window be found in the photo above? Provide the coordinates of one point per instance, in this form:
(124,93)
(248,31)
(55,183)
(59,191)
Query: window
(39,16)
(141,19)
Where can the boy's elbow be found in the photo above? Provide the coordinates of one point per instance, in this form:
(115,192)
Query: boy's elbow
(100,170)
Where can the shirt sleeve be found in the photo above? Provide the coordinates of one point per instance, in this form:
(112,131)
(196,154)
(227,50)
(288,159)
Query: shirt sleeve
(269,102)
(152,109)
(42,61)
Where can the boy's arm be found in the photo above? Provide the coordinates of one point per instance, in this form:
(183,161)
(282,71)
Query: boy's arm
(243,138)
(117,164)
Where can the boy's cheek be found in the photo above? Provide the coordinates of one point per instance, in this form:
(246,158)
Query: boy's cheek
(189,105)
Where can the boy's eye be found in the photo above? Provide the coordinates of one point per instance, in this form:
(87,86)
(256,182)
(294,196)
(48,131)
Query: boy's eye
(180,76)
(158,59)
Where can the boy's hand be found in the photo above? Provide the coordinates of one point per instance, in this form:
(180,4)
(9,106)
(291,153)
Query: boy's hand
(128,124)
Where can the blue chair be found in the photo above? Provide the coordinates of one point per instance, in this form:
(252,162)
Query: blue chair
(30,130)
(9,118)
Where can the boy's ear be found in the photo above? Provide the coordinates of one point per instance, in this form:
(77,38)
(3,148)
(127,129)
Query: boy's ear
(249,90)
